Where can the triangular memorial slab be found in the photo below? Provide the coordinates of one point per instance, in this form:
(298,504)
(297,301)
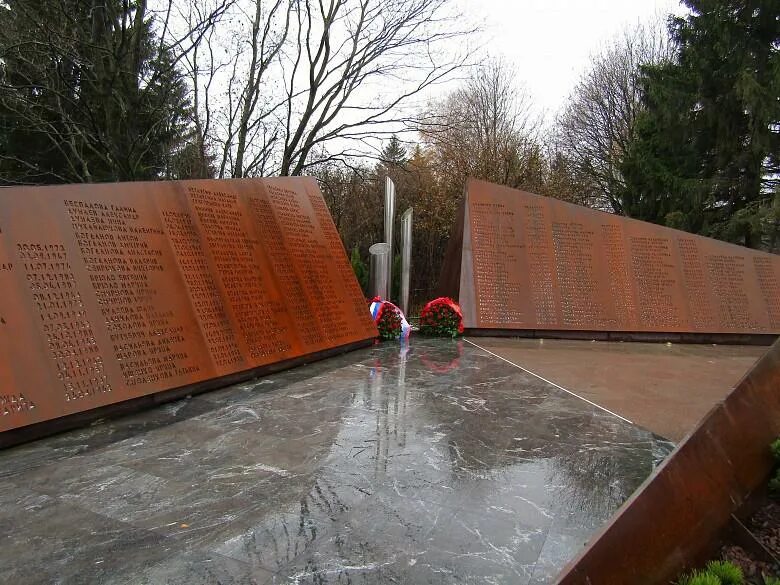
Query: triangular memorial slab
(519,261)
(113,292)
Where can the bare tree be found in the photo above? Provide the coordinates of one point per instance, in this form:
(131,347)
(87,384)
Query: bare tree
(235,93)
(362,60)
(286,84)
(486,129)
(595,126)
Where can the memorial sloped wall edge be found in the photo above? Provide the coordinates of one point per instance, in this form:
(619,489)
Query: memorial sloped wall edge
(677,515)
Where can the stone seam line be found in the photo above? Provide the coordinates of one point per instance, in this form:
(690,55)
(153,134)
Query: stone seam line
(549,382)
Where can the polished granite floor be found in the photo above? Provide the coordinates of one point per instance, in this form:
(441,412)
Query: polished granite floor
(434,463)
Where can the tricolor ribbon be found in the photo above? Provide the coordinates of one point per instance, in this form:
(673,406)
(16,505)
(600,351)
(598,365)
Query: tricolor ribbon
(376,307)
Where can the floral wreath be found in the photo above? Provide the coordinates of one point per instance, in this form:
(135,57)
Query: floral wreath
(390,321)
(441,317)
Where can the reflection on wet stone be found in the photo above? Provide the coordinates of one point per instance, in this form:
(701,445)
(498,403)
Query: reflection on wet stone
(431,463)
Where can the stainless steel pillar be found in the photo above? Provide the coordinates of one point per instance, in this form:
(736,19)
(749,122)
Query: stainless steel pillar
(389,218)
(406,259)
(380,259)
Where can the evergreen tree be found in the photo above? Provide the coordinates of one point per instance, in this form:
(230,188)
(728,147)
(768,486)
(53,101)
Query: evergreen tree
(662,167)
(359,268)
(89,93)
(706,153)
(394,154)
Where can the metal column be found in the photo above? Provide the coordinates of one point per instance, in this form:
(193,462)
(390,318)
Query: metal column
(389,218)
(406,258)
(377,282)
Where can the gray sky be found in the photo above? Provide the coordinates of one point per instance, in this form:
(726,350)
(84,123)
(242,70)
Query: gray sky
(549,41)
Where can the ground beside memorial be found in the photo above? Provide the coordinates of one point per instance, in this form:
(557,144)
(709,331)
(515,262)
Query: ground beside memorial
(438,463)
(667,388)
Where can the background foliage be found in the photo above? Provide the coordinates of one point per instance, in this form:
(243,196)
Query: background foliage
(676,122)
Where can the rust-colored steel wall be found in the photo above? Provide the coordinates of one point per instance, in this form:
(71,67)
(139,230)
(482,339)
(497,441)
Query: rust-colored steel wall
(536,263)
(116,291)
(678,513)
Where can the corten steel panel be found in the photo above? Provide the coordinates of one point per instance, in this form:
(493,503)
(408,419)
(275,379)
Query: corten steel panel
(536,263)
(112,292)
(675,518)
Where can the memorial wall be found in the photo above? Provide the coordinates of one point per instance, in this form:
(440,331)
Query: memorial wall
(112,292)
(522,261)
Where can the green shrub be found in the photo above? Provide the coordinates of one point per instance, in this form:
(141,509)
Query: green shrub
(774,483)
(699,578)
(359,268)
(774,486)
(728,573)
(771,580)
(775,446)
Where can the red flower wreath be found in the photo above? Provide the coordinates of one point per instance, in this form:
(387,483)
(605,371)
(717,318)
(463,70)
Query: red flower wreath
(388,319)
(441,317)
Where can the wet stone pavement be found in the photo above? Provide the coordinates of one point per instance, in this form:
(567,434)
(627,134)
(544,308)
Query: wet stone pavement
(437,463)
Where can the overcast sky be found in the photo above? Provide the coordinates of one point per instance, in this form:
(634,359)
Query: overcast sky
(549,41)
